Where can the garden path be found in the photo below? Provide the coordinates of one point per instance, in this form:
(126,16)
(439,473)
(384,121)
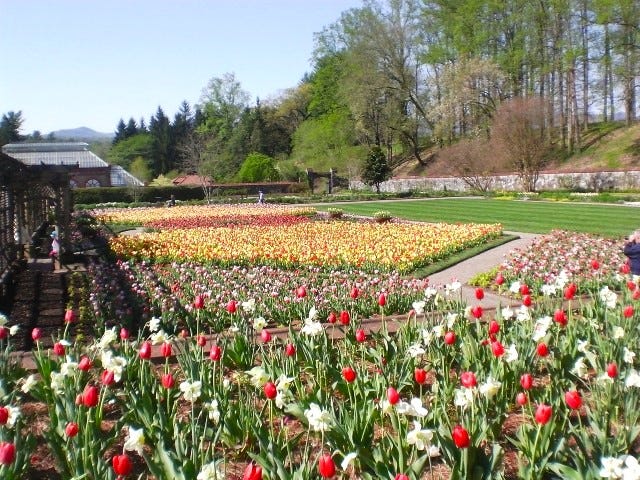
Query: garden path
(483,262)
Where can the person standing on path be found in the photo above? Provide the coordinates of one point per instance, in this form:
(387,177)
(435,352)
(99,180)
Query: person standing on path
(632,251)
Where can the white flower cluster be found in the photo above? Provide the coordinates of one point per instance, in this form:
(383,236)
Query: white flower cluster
(624,467)
(319,420)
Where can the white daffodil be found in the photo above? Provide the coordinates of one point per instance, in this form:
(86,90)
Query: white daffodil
(212,411)
(631,470)
(580,368)
(540,328)
(418,307)
(13,415)
(312,313)
(249,306)
(29,383)
(463,397)
(420,437)
(159,337)
(211,471)
(427,336)
(430,292)
(451,319)
(611,467)
(583,346)
(608,297)
(618,333)
(3,319)
(259,323)
(348,458)
(548,290)
(452,288)
(562,279)
(628,356)
(311,328)
(14,329)
(523,314)
(191,390)
(68,368)
(154,324)
(633,379)
(415,350)
(515,287)
(412,409)
(113,364)
(134,442)
(258,376)
(438,331)
(57,382)
(511,355)
(490,387)
(507,313)
(319,420)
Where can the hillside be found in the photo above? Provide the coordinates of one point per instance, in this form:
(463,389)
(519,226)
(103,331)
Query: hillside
(611,146)
(81,133)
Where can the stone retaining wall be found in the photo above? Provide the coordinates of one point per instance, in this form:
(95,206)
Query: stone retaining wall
(576,181)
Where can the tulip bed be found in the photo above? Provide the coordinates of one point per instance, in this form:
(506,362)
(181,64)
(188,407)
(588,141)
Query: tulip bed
(208,389)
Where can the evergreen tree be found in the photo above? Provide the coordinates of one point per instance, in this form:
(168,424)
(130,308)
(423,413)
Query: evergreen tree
(376,168)
(121,132)
(160,130)
(131,128)
(10,126)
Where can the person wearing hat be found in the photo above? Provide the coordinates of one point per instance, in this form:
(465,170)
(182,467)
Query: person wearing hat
(632,251)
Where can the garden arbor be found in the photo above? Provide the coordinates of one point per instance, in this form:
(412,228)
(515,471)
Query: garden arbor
(34,201)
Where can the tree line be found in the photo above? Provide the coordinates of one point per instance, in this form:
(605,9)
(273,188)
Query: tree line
(414,79)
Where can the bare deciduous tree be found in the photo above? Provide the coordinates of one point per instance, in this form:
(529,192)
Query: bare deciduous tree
(197,159)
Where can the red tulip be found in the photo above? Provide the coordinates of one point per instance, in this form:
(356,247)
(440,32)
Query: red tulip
(497,348)
(301,292)
(58,349)
(420,376)
(252,472)
(84,364)
(625,268)
(570,291)
(184,333)
(232,307)
(524,289)
(349,374)
(89,396)
(631,285)
(542,350)
(215,353)
(332,318)
(393,396)
(69,316)
(521,399)
(145,350)
(479,293)
(7,453)
(526,300)
(499,279)
(165,349)
(543,414)
(360,335)
(449,338)
(198,302)
(468,379)
(167,381)
(382,300)
(560,317)
(4,415)
(265,335)
(290,350)
(4,333)
(71,430)
(573,399)
(494,327)
(36,334)
(612,370)
(345,318)
(460,437)
(270,390)
(476,311)
(401,476)
(627,311)
(124,334)
(201,340)
(107,378)
(121,464)
(526,381)
(636,294)
(595,264)
(326,466)
(354,292)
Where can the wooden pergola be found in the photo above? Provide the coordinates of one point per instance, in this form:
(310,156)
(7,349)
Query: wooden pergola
(35,200)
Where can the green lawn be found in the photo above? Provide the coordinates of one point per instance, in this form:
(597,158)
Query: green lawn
(515,216)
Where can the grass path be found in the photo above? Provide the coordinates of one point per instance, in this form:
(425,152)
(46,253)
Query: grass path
(518,216)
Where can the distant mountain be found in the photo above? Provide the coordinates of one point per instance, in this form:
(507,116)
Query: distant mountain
(81,133)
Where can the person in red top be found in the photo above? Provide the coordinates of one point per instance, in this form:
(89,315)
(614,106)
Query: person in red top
(632,250)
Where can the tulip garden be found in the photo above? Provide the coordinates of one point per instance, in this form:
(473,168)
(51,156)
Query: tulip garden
(268,343)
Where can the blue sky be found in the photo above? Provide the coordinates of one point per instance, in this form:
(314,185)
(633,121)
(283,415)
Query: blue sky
(72,63)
